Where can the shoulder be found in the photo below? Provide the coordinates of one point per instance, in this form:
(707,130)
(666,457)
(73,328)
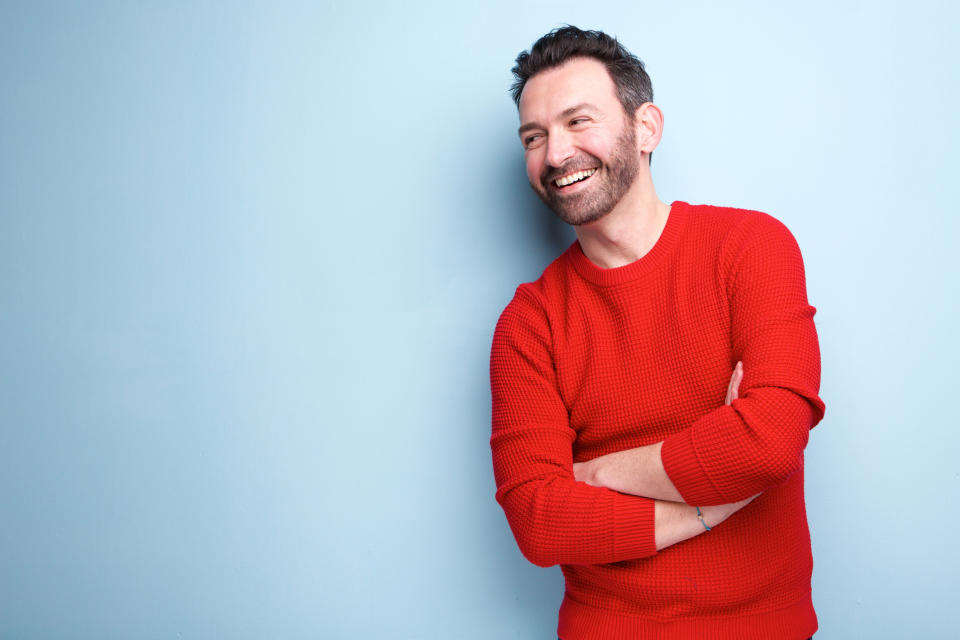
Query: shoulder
(718,237)
(744,243)
(740,232)
(522,337)
(524,319)
(759,252)
(526,323)
(538,296)
(733,222)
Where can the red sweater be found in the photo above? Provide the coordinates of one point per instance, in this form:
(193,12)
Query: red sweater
(587,361)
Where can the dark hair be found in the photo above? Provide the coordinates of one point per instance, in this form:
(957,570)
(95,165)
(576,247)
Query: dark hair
(563,43)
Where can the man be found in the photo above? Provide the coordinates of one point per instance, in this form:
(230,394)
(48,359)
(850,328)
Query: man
(674,511)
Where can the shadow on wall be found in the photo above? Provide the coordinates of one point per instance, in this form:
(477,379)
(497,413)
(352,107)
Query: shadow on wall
(528,236)
(531,231)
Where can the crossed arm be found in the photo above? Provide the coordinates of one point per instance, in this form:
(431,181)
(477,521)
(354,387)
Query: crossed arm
(629,504)
(556,519)
(640,471)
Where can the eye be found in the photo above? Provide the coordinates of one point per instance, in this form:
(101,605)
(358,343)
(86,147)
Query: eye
(531,140)
(577,121)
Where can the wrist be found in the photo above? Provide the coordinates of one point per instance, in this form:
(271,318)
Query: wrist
(587,472)
(702,520)
(593,469)
(597,474)
(714,514)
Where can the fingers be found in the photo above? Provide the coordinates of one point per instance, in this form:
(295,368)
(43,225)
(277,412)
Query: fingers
(578,471)
(736,379)
(734,387)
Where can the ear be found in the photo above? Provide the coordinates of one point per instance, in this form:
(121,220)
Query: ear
(648,121)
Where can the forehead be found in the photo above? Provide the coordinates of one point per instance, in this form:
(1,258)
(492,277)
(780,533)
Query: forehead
(577,81)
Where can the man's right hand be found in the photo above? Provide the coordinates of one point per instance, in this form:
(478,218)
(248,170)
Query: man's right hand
(718,513)
(734,387)
(724,511)
(676,522)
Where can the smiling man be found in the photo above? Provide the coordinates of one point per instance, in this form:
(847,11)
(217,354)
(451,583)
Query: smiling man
(669,490)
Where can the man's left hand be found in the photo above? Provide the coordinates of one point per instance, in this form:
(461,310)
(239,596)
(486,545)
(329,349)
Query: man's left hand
(583,471)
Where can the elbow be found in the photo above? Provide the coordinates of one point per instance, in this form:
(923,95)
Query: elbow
(779,438)
(777,474)
(534,545)
(775,463)
(537,553)
(529,524)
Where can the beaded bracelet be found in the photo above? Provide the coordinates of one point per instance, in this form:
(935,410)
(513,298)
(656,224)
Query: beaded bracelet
(702,521)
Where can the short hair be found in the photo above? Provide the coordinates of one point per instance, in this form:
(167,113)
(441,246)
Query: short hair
(563,43)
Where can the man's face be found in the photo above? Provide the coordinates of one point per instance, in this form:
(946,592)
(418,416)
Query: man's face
(574,130)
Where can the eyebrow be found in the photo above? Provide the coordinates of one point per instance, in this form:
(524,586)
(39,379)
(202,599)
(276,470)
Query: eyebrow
(583,106)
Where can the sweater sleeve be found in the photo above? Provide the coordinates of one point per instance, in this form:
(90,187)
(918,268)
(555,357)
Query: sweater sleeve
(554,518)
(757,441)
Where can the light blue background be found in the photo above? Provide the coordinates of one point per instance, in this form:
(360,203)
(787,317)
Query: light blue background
(251,258)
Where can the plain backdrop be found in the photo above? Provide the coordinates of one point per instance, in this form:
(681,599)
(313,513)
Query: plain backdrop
(251,259)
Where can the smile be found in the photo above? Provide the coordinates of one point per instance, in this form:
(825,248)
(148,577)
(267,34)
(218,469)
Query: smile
(576,176)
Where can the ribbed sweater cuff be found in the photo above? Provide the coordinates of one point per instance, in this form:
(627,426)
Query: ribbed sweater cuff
(680,462)
(635,527)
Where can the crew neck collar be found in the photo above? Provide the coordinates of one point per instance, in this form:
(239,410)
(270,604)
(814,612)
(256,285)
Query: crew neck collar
(638,268)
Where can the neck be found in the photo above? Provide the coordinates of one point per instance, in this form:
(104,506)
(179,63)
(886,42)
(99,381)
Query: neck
(627,233)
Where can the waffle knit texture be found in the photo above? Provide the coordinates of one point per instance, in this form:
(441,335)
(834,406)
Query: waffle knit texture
(587,361)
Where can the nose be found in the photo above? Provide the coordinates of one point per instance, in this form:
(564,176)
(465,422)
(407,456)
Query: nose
(559,148)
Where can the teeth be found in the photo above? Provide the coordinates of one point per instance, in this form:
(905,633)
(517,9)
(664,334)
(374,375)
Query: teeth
(574,177)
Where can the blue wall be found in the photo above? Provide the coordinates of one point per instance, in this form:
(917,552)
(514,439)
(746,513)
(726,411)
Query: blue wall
(251,258)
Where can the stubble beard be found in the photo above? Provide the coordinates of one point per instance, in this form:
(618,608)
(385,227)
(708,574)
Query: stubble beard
(614,179)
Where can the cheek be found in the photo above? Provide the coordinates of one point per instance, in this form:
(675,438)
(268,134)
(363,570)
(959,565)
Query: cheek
(596,148)
(534,168)
(596,143)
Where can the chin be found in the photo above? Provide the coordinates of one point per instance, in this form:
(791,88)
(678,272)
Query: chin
(593,219)
(578,216)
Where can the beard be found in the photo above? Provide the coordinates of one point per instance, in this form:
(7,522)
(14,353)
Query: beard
(611,181)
